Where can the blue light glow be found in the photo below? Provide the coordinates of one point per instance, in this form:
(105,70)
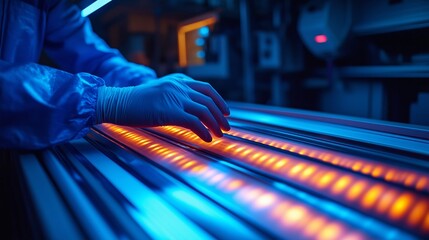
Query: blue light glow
(94,7)
(204,31)
(199,42)
(189,199)
(201,54)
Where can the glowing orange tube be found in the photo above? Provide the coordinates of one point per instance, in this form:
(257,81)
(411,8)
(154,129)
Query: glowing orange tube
(287,215)
(408,178)
(365,193)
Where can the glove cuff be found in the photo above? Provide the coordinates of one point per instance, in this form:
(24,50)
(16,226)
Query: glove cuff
(112,103)
(101,100)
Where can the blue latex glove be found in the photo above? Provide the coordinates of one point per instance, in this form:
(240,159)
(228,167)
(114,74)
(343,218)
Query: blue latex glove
(172,100)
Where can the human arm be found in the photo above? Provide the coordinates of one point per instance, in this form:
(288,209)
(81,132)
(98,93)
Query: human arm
(72,44)
(41,106)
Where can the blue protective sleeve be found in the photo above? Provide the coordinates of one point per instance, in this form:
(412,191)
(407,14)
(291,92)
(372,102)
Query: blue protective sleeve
(41,106)
(70,42)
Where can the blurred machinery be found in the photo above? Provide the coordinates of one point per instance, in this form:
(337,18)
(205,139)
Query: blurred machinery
(359,58)
(376,57)
(204,54)
(269,54)
(325,25)
(279,173)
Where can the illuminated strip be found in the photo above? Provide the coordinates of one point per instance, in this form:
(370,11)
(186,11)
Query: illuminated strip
(370,196)
(288,216)
(94,7)
(378,170)
(182,39)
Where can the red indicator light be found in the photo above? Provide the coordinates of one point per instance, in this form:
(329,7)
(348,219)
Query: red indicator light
(321,38)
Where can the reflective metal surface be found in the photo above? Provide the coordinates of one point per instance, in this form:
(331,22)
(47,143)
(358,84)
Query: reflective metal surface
(259,181)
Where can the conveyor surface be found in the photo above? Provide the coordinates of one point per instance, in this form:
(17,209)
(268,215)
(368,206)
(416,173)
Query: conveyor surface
(276,174)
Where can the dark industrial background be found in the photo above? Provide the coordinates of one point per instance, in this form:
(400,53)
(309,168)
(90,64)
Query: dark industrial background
(355,167)
(379,70)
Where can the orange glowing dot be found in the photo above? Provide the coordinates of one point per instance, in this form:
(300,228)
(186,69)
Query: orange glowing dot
(421,183)
(349,164)
(294,215)
(155,149)
(162,150)
(366,169)
(307,172)
(336,160)
(314,226)
(332,231)
(326,179)
(243,154)
(410,179)
(401,205)
(270,161)
(153,145)
(356,190)
(265,200)
(377,171)
(234,185)
(316,176)
(263,158)
(326,157)
(177,158)
(312,153)
(239,149)
(188,164)
(183,161)
(385,201)
(303,151)
(371,196)
(418,212)
(256,155)
(296,169)
(198,169)
(230,146)
(280,209)
(357,166)
(389,175)
(279,164)
(341,184)
(171,155)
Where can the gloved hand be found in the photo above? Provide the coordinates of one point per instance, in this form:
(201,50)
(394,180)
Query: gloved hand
(172,100)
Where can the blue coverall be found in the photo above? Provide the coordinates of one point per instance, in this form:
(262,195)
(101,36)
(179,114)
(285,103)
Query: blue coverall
(41,106)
